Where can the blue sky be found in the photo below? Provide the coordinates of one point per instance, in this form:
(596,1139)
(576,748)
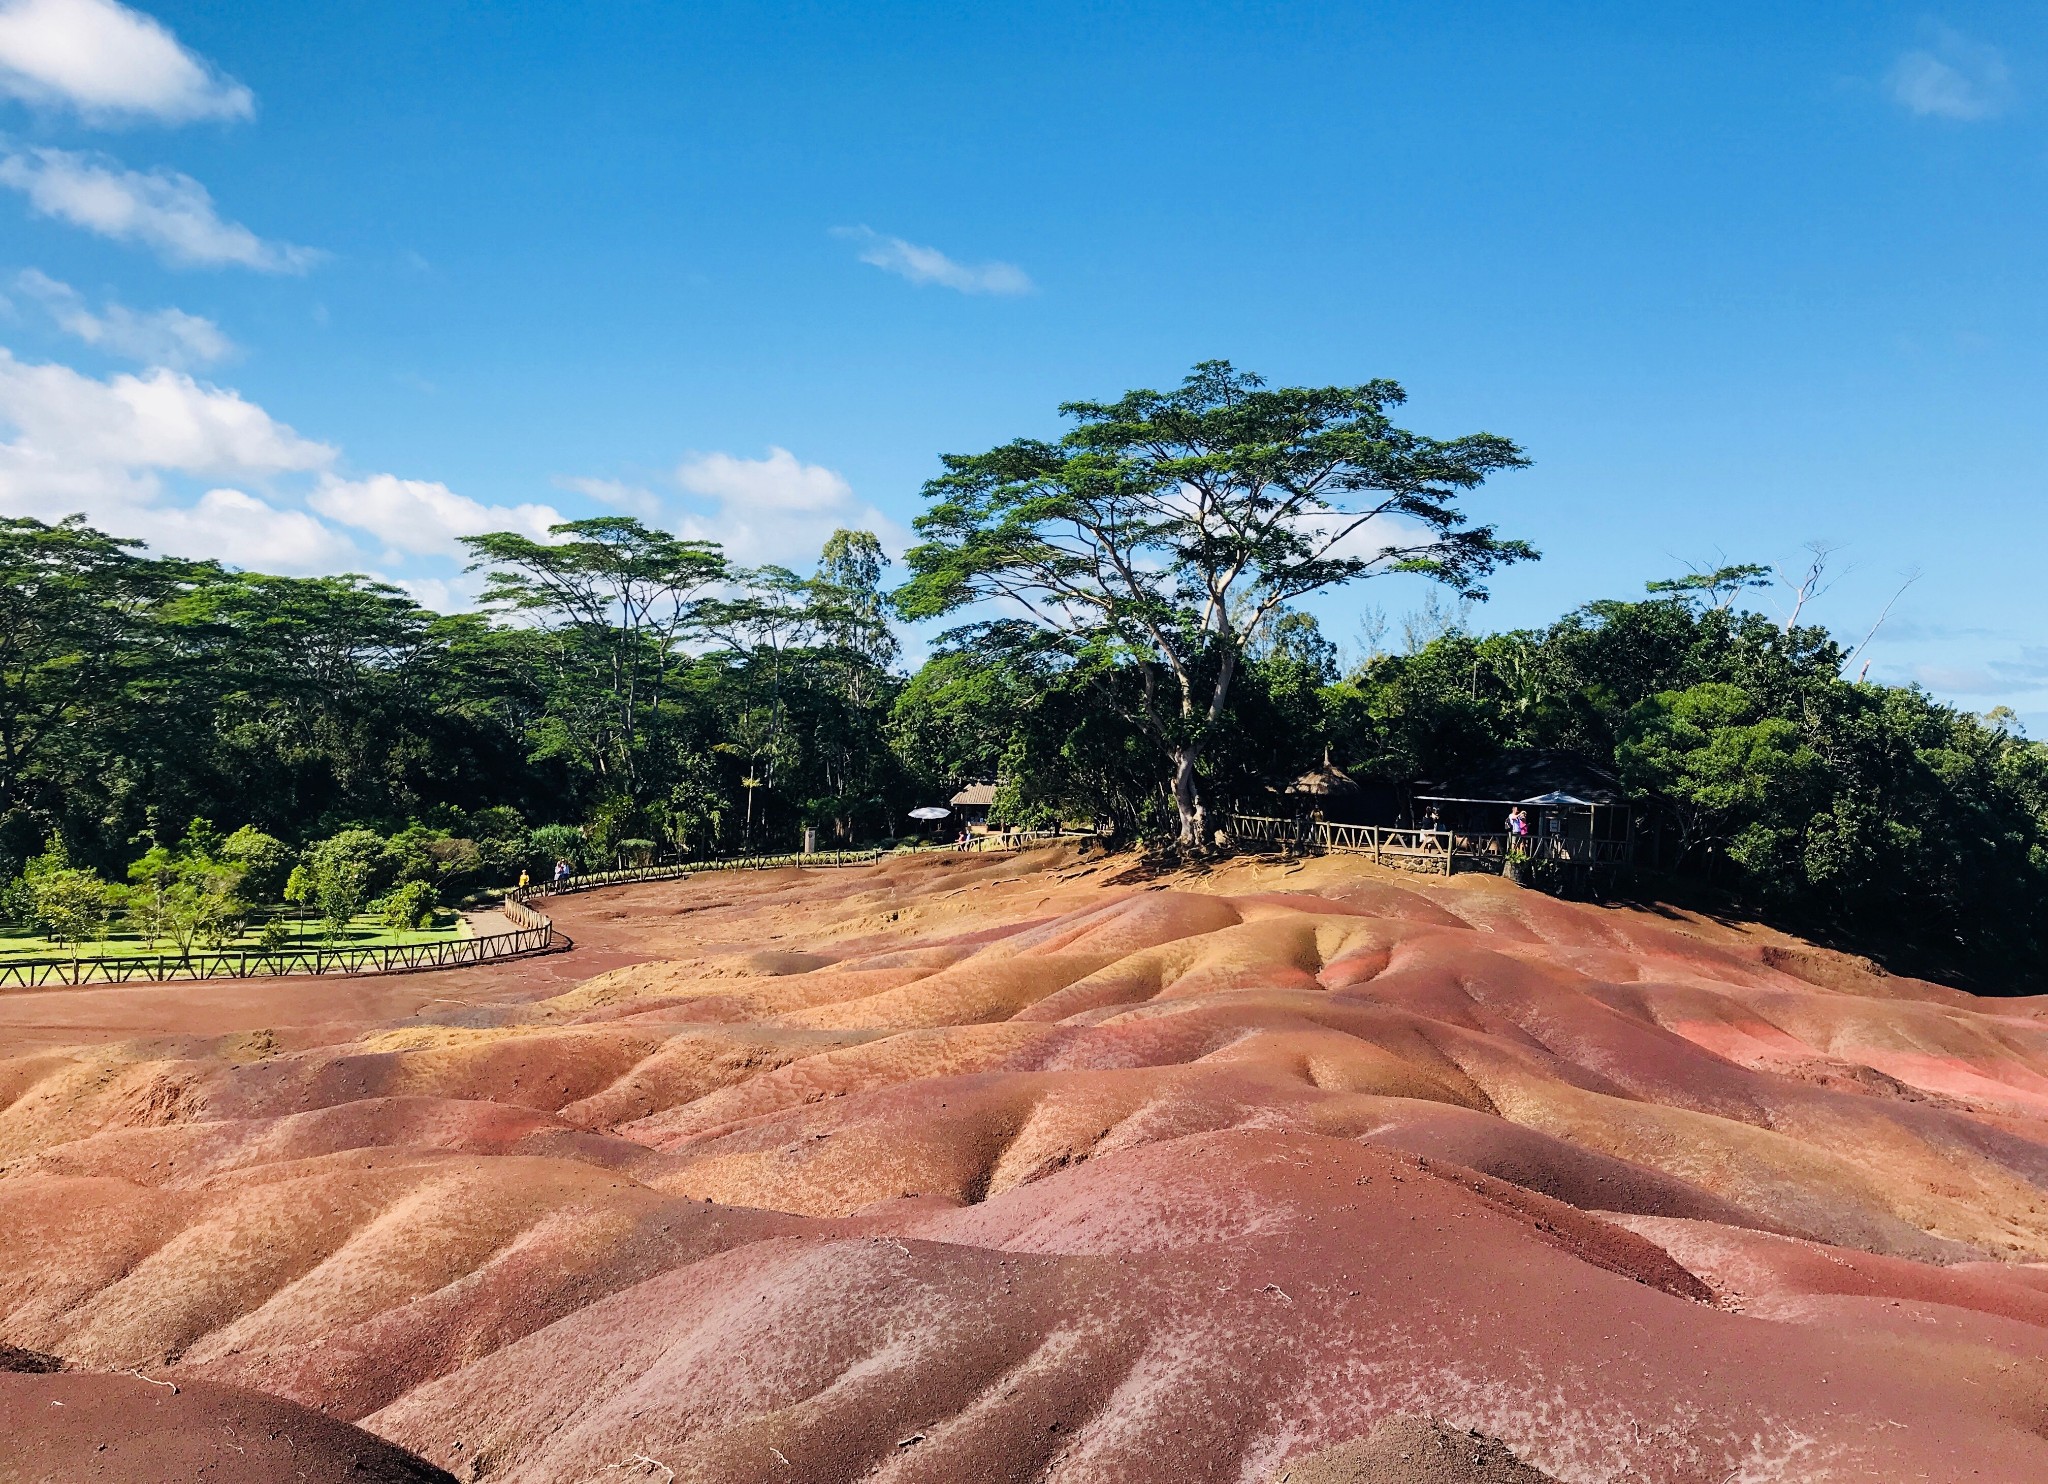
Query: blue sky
(319,287)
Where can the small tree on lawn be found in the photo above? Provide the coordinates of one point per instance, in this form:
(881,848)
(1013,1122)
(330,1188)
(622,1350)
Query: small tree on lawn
(409,905)
(299,890)
(206,909)
(149,908)
(1169,528)
(70,905)
(189,892)
(346,871)
(341,887)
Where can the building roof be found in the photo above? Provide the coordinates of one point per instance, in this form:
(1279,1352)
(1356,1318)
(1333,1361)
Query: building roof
(1324,782)
(975,796)
(1522,774)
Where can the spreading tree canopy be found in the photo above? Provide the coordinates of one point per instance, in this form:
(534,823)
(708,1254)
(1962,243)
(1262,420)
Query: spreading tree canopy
(617,596)
(1173,526)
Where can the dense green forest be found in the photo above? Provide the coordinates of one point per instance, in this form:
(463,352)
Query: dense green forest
(178,738)
(138,694)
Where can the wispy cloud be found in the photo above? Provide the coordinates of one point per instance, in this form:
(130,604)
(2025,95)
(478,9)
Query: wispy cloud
(929,265)
(1955,78)
(162,209)
(2030,668)
(633,498)
(2000,677)
(156,337)
(110,63)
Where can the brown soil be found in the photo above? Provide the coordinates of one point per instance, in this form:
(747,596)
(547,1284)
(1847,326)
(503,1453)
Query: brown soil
(1413,1450)
(965,1169)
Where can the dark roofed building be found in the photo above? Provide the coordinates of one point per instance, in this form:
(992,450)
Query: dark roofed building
(1528,773)
(972,804)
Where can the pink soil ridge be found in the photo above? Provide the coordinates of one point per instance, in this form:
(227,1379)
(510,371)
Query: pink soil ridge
(1026,1169)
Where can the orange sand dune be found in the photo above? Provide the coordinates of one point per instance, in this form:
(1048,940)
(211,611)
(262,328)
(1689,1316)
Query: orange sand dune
(960,1169)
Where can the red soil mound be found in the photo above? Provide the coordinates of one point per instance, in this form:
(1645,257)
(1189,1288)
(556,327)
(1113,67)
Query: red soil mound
(954,1168)
(92,1429)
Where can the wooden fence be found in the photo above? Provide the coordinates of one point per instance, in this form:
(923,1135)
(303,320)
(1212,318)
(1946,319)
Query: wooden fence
(998,840)
(535,934)
(533,931)
(1438,850)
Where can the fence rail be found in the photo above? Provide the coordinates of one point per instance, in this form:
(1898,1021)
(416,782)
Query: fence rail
(1438,849)
(536,934)
(533,931)
(1017,839)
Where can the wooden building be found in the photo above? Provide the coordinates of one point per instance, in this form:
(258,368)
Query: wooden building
(972,804)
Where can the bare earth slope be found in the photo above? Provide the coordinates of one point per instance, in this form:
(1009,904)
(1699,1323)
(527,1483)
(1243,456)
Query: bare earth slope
(979,1169)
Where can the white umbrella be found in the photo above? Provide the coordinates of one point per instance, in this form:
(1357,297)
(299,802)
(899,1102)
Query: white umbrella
(930,811)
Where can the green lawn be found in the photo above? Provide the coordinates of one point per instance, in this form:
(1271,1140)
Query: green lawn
(364,932)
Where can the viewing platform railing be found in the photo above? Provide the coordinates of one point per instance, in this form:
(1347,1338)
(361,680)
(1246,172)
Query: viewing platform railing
(1439,850)
(1000,840)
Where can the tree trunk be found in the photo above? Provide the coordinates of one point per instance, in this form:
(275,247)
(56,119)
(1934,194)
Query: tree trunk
(1187,799)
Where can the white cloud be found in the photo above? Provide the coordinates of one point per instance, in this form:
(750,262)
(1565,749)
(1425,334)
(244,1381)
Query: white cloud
(109,62)
(774,509)
(440,594)
(162,209)
(422,517)
(161,419)
(929,265)
(104,449)
(232,526)
(127,452)
(1956,79)
(164,337)
(777,482)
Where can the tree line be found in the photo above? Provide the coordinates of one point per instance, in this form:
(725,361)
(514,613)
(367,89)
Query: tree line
(1132,649)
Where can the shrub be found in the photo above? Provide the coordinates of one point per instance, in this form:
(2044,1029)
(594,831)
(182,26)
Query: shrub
(265,862)
(364,848)
(558,842)
(69,905)
(409,905)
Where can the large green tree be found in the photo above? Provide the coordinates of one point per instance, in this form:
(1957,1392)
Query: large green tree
(75,638)
(618,598)
(1173,526)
